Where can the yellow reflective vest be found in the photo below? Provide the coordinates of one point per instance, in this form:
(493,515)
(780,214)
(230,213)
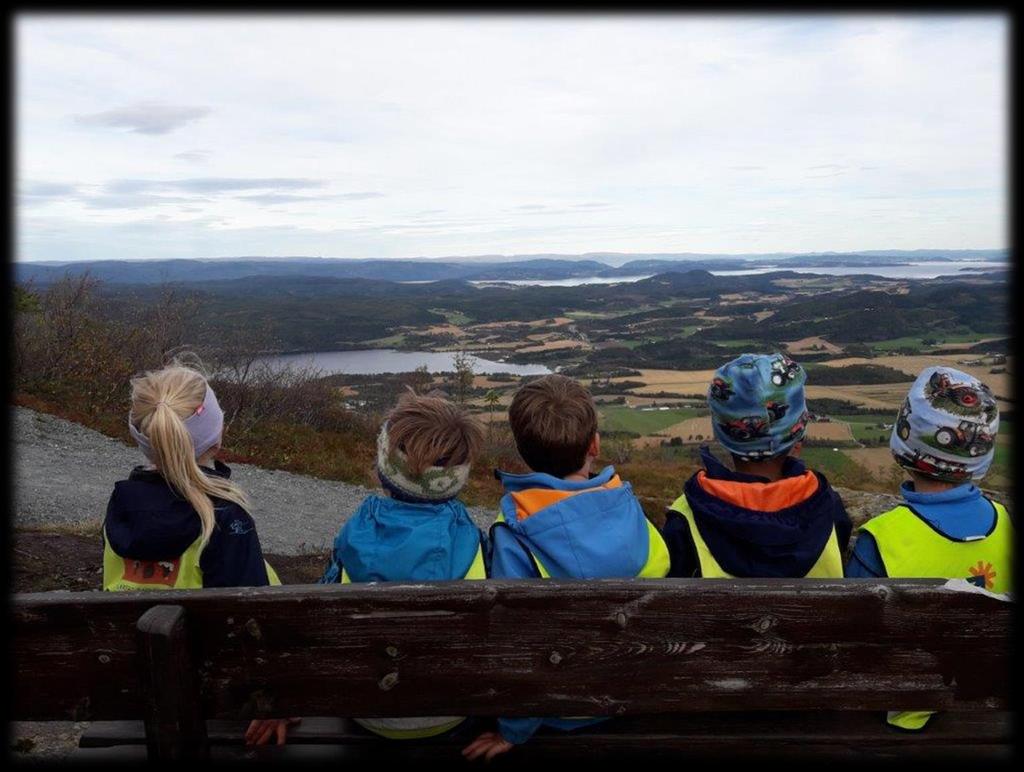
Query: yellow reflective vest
(656,566)
(477,569)
(181,573)
(828,566)
(911,548)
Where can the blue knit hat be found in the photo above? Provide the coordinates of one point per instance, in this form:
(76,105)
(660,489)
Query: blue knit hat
(947,426)
(757,405)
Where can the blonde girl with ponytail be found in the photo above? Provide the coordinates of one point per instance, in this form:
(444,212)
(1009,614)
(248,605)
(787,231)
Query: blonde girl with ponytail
(179,522)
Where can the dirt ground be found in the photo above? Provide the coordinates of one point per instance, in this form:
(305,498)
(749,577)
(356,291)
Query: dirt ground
(912,365)
(553,345)
(45,560)
(878,461)
(803,346)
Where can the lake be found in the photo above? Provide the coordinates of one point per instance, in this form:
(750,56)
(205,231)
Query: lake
(574,282)
(918,270)
(385,360)
(922,270)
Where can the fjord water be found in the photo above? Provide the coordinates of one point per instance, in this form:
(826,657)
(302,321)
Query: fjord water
(382,360)
(917,270)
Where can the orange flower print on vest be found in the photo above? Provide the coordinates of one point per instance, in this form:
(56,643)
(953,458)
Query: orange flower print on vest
(163,572)
(983,575)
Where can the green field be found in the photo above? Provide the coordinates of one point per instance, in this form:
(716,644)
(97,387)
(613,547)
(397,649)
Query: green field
(452,317)
(865,426)
(830,462)
(917,341)
(619,418)
(388,342)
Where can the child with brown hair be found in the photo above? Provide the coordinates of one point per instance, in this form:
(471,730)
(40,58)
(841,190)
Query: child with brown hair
(419,531)
(563,519)
(179,522)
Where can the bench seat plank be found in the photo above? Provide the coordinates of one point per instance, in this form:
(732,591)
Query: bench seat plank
(701,729)
(607,647)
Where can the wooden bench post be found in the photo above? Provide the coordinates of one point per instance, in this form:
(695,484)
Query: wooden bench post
(173,711)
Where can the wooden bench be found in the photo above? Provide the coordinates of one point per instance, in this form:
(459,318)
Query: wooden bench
(689,667)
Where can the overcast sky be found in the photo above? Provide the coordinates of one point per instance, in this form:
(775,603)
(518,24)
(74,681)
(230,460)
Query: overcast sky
(400,136)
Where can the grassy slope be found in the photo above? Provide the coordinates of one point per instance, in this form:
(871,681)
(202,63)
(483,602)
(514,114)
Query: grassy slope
(627,419)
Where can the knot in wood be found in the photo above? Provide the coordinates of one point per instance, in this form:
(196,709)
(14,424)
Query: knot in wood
(105,659)
(621,619)
(389,681)
(882,591)
(764,624)
(555,658)
(252,627)
(391,651)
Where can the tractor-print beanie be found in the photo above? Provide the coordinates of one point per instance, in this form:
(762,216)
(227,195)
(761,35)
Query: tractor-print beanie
(947,426)
(757,405)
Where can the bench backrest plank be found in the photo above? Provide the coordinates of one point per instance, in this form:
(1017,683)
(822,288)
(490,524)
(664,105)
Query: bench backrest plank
(607,647)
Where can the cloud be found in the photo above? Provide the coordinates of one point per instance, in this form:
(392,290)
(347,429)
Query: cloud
(287,198)
(135,200)
(193,156)
(212,185)
(38,191)
(741,116)
(146,118)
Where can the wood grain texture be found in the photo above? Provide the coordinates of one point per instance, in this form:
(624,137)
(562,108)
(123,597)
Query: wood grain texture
(173,711)
(608,647)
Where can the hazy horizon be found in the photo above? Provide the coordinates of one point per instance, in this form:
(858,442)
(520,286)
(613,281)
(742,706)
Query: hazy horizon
(430,137)
(599,256)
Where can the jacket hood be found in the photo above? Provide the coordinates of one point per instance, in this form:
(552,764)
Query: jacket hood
(589,529)
(962,512)
(390,540)
(147,520)
(758,528)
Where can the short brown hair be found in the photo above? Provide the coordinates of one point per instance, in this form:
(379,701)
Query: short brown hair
(431,431)
(553,421)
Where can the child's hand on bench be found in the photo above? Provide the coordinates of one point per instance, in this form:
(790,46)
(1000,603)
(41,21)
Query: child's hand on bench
(488,745)
(262,729)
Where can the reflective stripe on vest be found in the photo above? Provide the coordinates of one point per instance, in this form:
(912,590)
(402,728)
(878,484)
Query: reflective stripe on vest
(656,566)
(912,549)
(272,576)
(911,720)
(477,569)
(829,564)
(181,573)
(409,728)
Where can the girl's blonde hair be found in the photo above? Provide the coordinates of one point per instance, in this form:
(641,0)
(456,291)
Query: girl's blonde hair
(161,401)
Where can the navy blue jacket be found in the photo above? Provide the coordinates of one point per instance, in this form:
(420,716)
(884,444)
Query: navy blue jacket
(746,543)
(147,520)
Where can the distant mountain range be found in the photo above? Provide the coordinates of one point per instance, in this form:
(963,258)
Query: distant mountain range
(478,268)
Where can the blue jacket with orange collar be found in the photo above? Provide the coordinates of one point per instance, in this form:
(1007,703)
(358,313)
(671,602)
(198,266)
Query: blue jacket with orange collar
(590,529)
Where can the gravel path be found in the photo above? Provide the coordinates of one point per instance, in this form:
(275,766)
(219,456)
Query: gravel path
(64,474)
